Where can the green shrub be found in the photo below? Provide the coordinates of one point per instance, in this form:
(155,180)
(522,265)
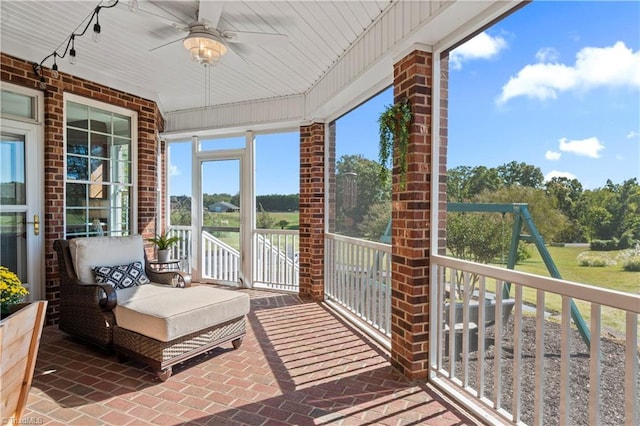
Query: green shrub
(632,264)
(594,260)
(604,245)
(626,241)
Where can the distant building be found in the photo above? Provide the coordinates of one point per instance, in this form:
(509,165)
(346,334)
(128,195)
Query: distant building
(223,207)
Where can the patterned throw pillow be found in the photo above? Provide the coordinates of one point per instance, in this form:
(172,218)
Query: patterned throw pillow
(122,276)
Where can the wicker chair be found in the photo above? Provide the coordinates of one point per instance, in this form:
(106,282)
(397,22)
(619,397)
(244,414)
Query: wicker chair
(161,338)
(86,309)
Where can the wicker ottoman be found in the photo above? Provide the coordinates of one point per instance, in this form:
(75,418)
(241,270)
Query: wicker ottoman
(167,326)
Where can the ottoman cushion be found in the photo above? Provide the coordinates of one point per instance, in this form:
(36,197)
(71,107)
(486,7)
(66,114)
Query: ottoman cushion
(166,313)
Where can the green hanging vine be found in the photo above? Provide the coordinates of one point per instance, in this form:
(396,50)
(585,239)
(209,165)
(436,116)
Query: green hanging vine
(395,126)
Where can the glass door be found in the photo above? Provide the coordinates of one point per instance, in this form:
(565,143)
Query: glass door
(221,220)
(21,226)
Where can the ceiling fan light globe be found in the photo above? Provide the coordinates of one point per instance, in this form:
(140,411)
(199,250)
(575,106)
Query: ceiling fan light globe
(204,50)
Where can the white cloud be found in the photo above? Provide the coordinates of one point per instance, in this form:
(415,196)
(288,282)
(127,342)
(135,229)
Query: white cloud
(173,170)
(632,134)
(552,155)
(589,147)
(556,173)
(547,54)
(616,65)
(482,46)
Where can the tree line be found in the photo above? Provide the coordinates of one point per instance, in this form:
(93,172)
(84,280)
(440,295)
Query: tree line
(561,208)
(271,202)
(576,214)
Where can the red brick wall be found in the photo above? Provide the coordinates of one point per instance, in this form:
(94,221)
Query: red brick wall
(331,176)
(150,123)
(312,212)
(411,231)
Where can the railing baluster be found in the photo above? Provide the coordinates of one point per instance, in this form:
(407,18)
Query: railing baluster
(517,352)
(452,322)
(481,330)
(497,349)
(538,405)
(594,366)
(631,371)
(465,329)
(565,359)
(440,283)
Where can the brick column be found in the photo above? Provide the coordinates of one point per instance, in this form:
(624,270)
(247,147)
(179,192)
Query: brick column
(312,198)
(150,123)
(411,233)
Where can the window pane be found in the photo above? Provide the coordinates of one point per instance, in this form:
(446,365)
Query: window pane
(12,174)
(13,244)
(77,168)
(18,104)
(121,172)
(121,149)
(99,170)
(99,145)
(100,121)
(76,220)
(76,194)
(121,125)
(77,115)
(77,142)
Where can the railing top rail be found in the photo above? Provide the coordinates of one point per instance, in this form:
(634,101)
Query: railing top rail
(276,231)
(359,242)
(615,299)
(207,236)
(180,227)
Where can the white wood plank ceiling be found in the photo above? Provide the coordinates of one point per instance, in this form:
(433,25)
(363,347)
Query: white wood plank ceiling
(322,36)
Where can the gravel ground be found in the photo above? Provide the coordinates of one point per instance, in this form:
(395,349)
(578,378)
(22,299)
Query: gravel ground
(612,375)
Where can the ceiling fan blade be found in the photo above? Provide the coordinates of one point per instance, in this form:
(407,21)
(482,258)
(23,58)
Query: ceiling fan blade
(166,44)
(210,11)
(272,39)
(182,26)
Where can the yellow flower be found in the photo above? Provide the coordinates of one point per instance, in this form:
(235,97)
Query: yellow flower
(11,289)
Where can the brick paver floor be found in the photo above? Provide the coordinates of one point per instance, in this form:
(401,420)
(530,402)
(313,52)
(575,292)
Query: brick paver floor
(299,364)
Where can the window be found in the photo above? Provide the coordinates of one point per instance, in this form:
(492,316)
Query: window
(18,105)
(99,163)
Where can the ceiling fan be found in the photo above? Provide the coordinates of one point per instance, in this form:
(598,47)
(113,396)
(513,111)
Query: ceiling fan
(206,42)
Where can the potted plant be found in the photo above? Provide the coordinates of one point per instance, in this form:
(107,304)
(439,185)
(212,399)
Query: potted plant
(12,292)
(395,126)
(164,243)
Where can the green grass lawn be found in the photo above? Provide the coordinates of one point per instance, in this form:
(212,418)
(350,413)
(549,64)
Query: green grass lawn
(610,277)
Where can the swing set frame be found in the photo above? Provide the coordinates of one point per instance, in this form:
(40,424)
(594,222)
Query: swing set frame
(522,219)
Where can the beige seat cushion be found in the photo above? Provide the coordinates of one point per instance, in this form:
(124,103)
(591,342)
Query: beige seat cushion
(89,252)
(166,313)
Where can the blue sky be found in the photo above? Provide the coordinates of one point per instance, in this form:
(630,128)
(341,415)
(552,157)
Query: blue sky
(556,85)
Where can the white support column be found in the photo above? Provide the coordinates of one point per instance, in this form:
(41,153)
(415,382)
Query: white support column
(248,211)
(196,211)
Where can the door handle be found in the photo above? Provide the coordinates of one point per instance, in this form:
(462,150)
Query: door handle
(36,224)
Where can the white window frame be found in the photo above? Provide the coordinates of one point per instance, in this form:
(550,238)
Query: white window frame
(133,115)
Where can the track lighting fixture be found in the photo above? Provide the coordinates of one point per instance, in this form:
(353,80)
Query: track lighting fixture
(71,47)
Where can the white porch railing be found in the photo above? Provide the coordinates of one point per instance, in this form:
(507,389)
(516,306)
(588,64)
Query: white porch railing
(276,260)
(182,250)
(275,264)
(466,376)
(220,261)
(358,280)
